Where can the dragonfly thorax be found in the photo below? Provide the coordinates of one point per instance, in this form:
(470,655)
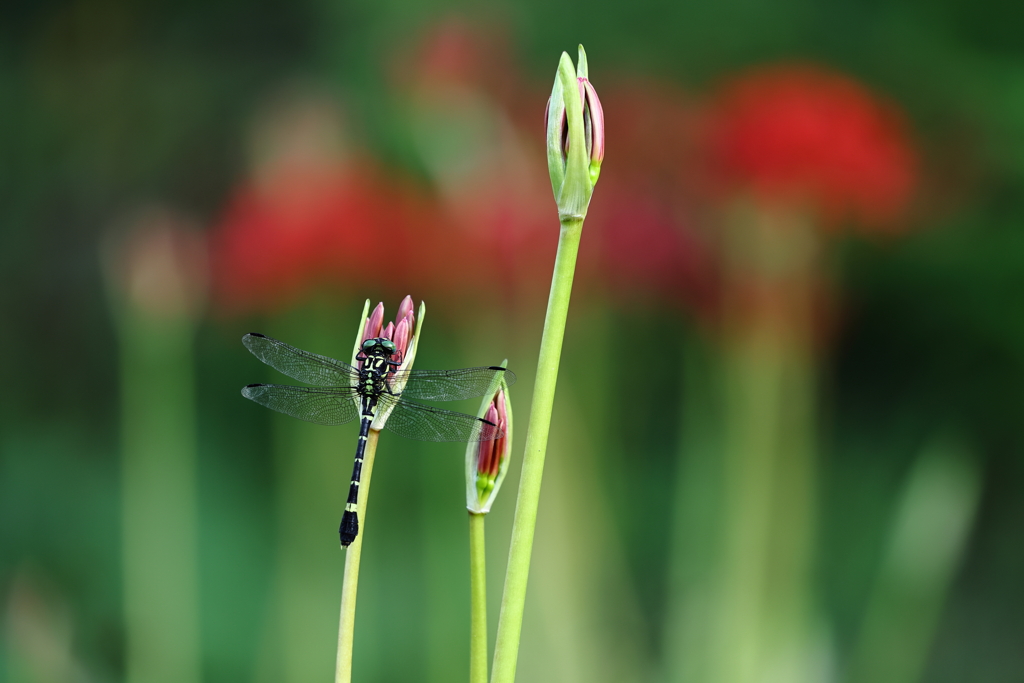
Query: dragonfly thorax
(379,358)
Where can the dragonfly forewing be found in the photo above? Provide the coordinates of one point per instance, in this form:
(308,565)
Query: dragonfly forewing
(450,385)
(322,405)
(304,366)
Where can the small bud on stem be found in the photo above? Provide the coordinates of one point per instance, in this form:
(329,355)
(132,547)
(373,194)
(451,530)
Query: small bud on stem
(487,461)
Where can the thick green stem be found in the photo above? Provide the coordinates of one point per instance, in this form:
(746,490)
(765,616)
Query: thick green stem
(763,624)
(510,620)
(159,494)
(694,556)
(477,600)
(347,622)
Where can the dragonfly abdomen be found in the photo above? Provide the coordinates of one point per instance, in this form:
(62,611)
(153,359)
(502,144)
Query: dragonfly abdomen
(349,528)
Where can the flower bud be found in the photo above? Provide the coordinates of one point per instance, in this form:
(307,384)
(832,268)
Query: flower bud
(404,332)
(487,461)
(575,137)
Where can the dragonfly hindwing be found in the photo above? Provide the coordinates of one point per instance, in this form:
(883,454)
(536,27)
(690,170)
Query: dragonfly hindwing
(322,405)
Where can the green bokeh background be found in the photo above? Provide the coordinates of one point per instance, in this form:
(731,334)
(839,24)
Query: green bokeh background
(105,105)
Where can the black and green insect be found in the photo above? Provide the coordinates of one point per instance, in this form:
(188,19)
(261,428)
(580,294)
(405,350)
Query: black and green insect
(341,393)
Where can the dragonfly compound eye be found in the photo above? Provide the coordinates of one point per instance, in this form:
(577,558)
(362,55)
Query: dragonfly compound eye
(368,345)
(389,346)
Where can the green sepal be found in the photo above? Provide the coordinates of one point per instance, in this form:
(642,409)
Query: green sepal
(357,345)
(582,68)
(359,332)
(556,164)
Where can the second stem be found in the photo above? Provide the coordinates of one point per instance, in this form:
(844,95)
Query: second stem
(477,601)
(513,601)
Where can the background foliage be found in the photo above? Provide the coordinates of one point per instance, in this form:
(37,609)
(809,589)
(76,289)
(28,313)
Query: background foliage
(404,143)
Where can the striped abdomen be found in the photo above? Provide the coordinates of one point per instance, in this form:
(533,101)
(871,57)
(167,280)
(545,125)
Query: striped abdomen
(349,528)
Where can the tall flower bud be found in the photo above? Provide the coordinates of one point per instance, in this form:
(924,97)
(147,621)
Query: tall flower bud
(575,138)
(487,461)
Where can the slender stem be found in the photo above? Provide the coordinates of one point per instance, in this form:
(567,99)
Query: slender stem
(477,601)
(346,624)
(510,620)
(930,527)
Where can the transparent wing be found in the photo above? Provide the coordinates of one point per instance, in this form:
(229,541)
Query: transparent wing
(322,405)
(449,385)
(302,365)
(426,423)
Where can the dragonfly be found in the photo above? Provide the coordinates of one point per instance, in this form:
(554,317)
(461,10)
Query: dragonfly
(340,393)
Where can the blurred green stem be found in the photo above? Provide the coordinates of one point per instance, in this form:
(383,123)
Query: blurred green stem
(510,620)
(771,275)
(346,625)
(477,600)
(158,483)
(695,552)
(929,534)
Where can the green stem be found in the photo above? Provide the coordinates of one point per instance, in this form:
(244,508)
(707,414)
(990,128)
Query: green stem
(510,620)
(477,601)
(764,601)
(694,552)
(346,624)
(926,543)
(159,489)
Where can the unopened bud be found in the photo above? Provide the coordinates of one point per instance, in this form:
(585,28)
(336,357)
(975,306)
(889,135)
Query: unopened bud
(487,460)
(575,137)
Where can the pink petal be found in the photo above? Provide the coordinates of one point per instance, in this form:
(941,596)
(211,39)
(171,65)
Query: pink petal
(485,454)
(596,123)
(373,323)
(499,452)
(405,310)
(499,402)
(401,336)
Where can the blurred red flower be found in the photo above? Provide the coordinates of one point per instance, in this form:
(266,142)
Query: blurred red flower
(647,250)
(308,215)
(644,237)
(497,230)
(801,133)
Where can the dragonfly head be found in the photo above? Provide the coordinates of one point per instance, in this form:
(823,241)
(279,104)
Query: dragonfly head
(379,346)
